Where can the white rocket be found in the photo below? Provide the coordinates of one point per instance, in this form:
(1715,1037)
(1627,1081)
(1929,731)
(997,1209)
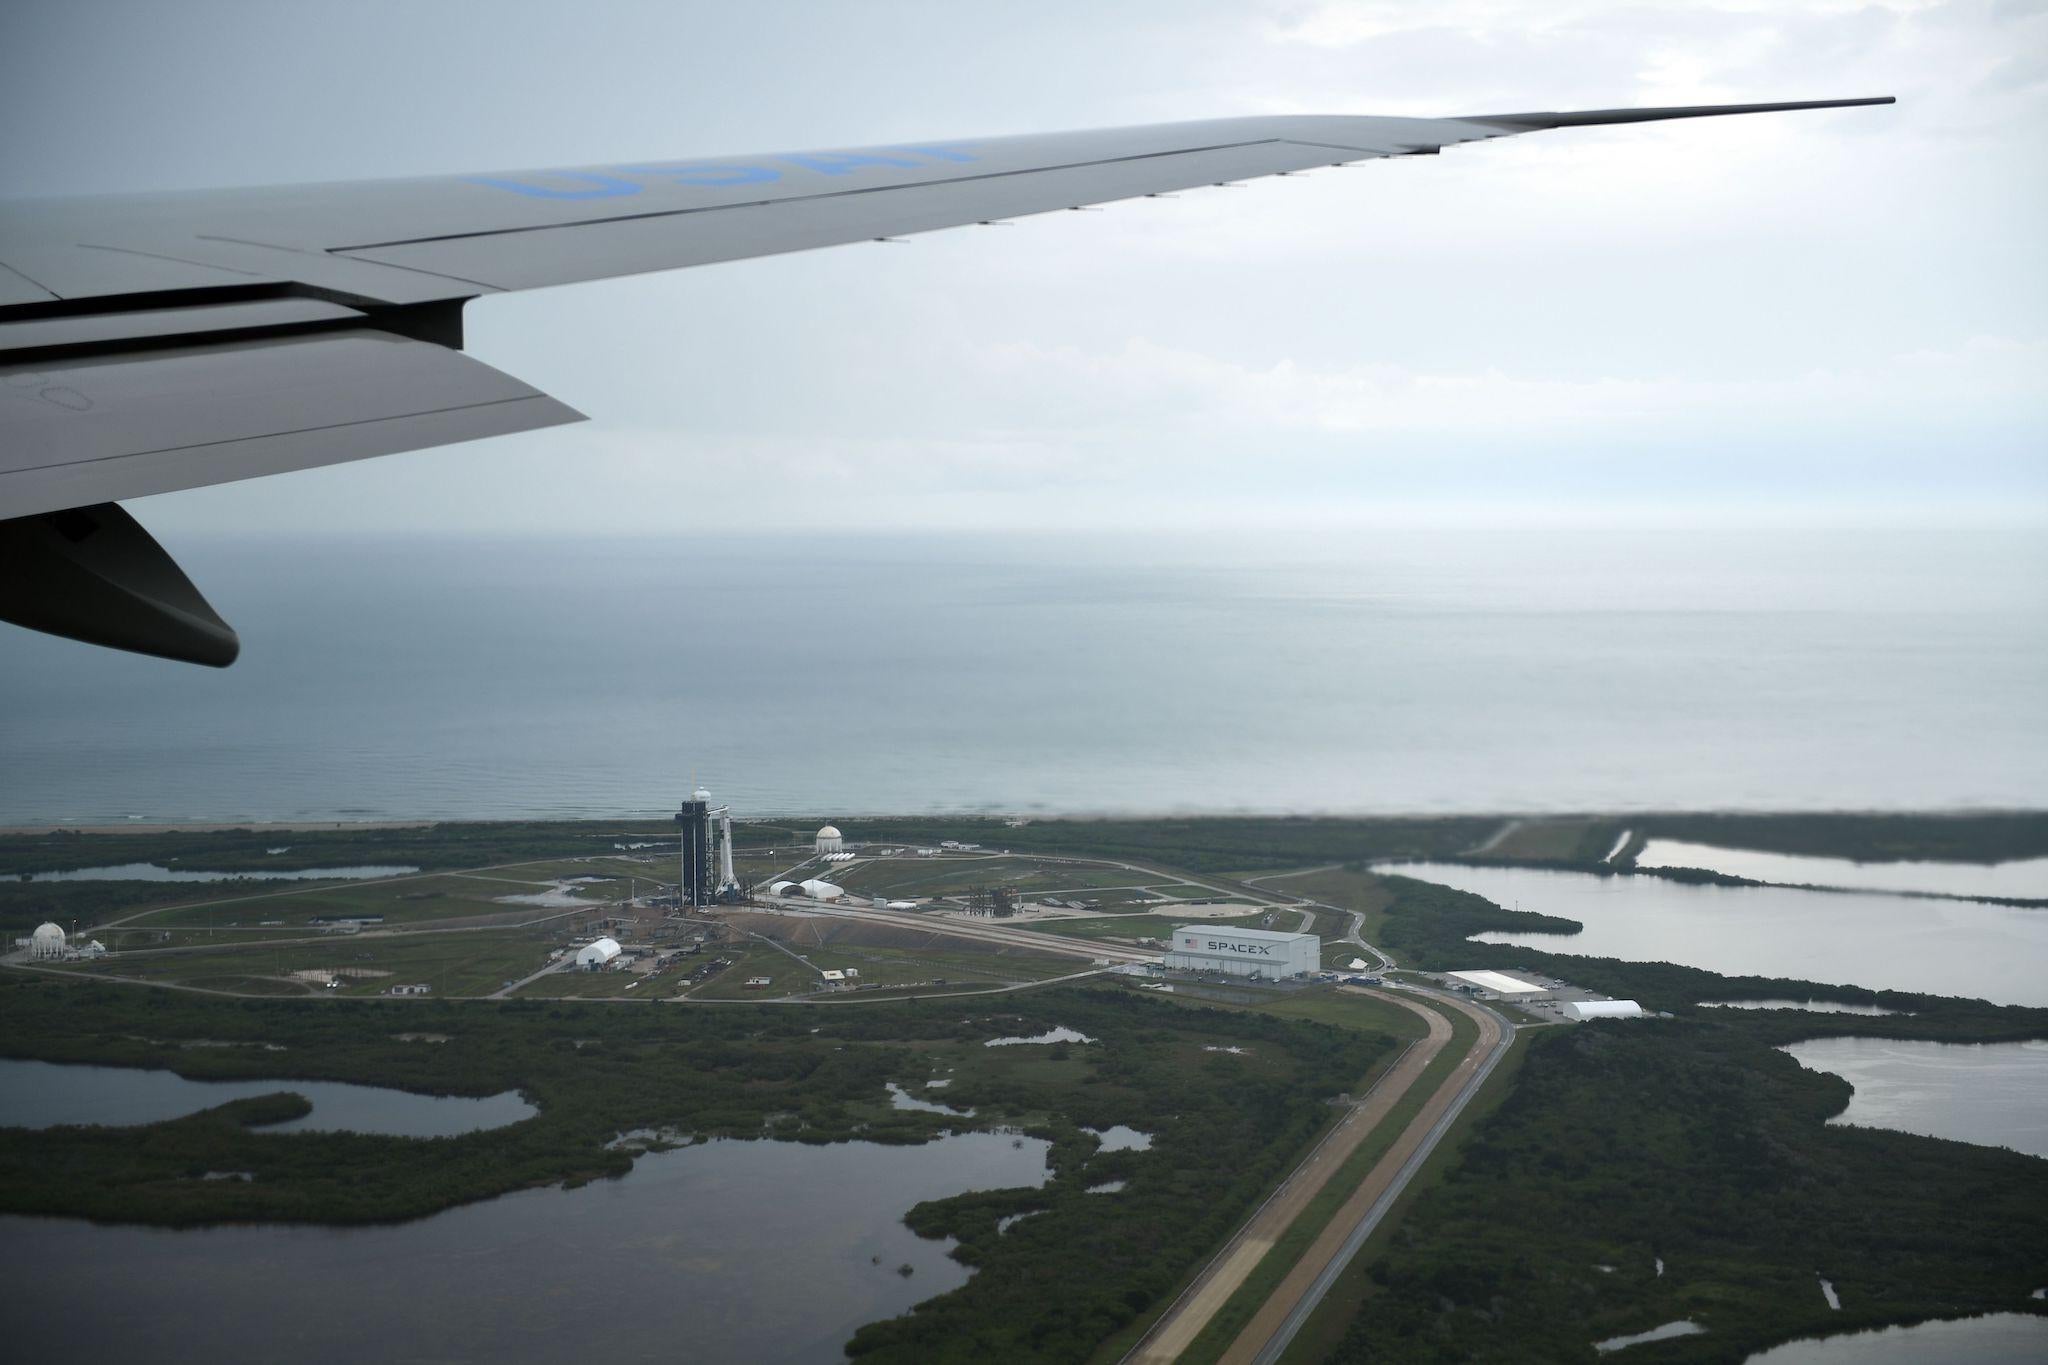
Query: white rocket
(727,881)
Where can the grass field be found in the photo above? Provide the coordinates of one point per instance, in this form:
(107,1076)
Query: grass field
(467,963)
(954,876)
(1341,886)
(1134,926)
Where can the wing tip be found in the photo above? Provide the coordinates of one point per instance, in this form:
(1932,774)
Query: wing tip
(1591,118)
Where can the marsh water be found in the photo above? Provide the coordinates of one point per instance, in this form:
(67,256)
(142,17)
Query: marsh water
(1994,1339)
(2020,879)
(1885,942)
(47,1094)
(758,1251)
(1992,1093)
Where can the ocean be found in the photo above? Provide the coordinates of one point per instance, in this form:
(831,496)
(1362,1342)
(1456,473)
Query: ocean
(1405,669)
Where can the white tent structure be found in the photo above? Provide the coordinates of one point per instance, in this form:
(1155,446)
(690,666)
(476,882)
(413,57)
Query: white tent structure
(1602,1009)
(1502,985)
(46,941)
(829,840)
(822,891)
(594,955)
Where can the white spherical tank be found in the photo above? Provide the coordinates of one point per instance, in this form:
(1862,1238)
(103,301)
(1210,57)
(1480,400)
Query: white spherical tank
(829,840)
(47,941)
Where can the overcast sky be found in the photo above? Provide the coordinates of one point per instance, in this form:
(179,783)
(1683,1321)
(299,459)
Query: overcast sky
(1832,315)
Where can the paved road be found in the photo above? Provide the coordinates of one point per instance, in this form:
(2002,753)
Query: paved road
(1269,1333)
(987,931)
(1357,935)
(1202,1300)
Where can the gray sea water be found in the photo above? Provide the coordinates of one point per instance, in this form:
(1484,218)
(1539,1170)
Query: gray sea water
(1419,669)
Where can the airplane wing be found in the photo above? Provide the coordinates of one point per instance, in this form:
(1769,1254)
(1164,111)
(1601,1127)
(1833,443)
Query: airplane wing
(150,343)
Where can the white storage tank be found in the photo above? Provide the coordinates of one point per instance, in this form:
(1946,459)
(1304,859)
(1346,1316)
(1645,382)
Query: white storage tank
(1244,952)
(46,941)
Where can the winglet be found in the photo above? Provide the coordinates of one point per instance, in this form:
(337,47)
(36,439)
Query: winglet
(1587,118)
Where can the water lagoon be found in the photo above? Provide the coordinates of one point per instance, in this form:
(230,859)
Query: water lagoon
(2021,879)
(1664,1333)
(1061,1034)
(693,1256)
(47,1094)
(1120,1138)
(1903,943)
(1990,1093)
(1994,1339)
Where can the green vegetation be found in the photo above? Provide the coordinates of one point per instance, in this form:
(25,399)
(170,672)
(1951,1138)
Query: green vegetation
(1975,837)
(468,963)
(1352,888)
(426,846)
(1694,1140)
(1700,1146)
(1225,1125)
(1041,1295)
(1333,1317)
(1131,927)
(1559,840)
(1690,1138)
(1216,843)
(1287,1251)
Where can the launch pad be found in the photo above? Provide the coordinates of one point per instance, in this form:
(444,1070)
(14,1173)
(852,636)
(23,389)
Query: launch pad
(697,886)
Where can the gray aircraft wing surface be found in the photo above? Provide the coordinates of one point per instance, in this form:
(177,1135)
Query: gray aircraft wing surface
(150,343)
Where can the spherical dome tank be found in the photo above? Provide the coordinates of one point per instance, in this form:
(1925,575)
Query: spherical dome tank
(47,941)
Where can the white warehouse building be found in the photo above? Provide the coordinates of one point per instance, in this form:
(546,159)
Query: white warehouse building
(594,955)
(1244,952)
(1602,1009)
(1501,985)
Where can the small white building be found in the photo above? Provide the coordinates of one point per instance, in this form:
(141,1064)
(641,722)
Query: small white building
(592,956)
(1602,1009)
(830,841)
(821,891)
(46,941)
